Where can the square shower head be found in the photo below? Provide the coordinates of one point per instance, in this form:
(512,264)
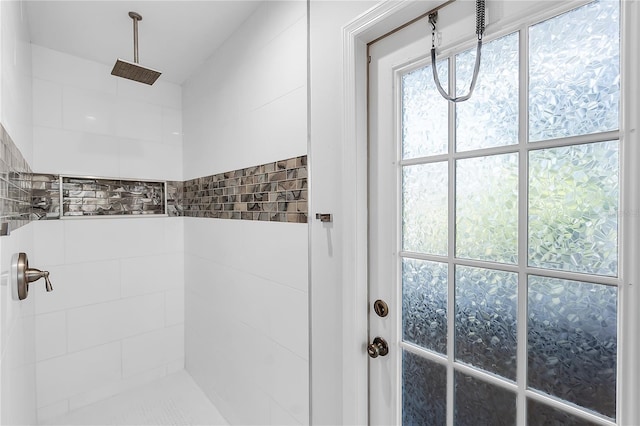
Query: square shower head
(135,72)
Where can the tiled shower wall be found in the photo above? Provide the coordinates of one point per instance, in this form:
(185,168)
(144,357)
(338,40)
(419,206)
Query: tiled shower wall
(140,287)
(246,281)
(275,192)
(15,184)
(17,328)
(116,316)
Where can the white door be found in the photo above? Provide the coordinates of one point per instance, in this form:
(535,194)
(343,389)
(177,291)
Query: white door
(495,235)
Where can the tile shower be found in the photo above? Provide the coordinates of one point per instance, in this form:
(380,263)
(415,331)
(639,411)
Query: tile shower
(155,217)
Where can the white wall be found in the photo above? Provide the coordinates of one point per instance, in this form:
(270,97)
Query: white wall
(17,374)
(246,293)
(115,317)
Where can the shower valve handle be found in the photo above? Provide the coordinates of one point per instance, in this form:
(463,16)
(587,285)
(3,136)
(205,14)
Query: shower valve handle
(22,275)
(33,274)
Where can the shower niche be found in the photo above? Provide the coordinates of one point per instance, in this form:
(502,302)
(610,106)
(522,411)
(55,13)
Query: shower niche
(96,197)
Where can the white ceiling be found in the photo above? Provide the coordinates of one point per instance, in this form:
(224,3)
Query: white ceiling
(175,36)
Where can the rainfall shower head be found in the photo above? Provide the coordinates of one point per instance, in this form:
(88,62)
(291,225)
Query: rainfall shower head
(133,70)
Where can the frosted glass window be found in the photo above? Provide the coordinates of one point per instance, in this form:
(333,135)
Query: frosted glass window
(574,72)
(424,304)
(490,117)
(486,319)
(573,208)
(572,341)
(464,254)
(480,403)
(542,414)
(487,208)
(424,391)
(424,113)
(424,208)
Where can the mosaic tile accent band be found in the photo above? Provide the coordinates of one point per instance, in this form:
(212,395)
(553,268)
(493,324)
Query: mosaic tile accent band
(275,192)
(15,185)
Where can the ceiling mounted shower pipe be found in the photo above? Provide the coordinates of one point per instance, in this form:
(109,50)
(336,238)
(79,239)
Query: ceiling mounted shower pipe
(135,17)
(133,70)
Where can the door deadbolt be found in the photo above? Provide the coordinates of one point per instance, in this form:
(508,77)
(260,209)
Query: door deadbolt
(381,308)
(379,347)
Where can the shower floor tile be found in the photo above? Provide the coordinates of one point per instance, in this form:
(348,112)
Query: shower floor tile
(174,400)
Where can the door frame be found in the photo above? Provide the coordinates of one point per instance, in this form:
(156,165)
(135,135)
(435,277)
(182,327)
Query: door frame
(356,35)
(378,21)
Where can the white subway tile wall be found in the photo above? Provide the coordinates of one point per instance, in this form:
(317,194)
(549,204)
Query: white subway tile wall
(118,299)
(89,123)
(116,281)
(17,321)
(246,283)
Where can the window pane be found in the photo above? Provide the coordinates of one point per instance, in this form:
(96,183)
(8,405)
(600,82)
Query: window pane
(487,208)
(424,208)
(424,113)
(490,117)
(541,414)
(424,304)
(480,403)
(424,391)
(574,72)
(572,342)
(486,319)
(573,208)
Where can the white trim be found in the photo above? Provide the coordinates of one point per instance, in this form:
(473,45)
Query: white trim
(379,20)
(354,199)
(310,209)
(629,341)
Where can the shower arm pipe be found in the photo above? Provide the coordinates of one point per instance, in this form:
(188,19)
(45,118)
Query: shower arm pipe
(136,17)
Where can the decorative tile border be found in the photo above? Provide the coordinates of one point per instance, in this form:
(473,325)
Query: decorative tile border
(15,185)
(275,192)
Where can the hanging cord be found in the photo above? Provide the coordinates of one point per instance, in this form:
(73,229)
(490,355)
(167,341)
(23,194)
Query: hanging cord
(433,18)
